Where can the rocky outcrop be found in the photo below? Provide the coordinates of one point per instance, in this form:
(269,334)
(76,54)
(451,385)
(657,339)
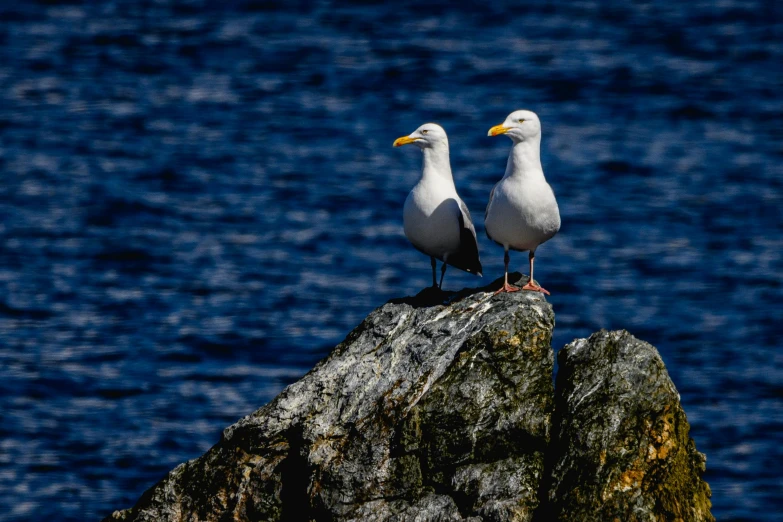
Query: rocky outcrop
(423,412)
(620,447)
(439,408)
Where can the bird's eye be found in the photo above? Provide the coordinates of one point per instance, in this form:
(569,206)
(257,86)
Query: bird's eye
(425,131)
(521,120)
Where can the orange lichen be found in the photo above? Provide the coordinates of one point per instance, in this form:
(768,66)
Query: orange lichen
(661,435)
(628,480)
(631,479)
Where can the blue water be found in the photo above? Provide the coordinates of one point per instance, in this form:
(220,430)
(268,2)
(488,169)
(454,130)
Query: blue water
(198,201)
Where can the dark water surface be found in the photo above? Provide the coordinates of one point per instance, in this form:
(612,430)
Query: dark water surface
(199,201)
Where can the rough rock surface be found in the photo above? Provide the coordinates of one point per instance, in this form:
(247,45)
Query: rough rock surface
(620,448)
(438,408)
(428,413)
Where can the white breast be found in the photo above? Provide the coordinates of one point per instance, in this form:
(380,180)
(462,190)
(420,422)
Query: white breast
(522,215)
(431,218)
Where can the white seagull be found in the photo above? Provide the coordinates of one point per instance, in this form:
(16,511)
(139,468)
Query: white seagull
(522,212)
(435,219)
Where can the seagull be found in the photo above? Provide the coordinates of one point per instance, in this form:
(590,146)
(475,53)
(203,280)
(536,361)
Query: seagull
(435,219)
(522,211)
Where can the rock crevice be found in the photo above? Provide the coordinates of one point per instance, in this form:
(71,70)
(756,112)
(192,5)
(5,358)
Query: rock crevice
(440,408)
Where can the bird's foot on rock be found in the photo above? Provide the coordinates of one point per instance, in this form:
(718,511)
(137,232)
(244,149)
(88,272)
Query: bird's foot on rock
(535,288)
(507,288)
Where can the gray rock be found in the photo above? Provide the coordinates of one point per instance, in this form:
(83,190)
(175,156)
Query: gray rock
(426,412)
(620,447)
(438,408)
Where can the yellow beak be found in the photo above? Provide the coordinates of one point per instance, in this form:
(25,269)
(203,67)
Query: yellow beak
(403,141)
(498,130)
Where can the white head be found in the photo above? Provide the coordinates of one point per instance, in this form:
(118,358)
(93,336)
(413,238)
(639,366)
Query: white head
(519,126)
(427,136)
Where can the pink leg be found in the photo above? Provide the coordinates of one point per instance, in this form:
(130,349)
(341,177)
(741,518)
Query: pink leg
(506,287)
(530,284)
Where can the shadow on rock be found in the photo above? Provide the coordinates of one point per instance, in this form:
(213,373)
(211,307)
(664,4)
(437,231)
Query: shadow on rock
(432,296)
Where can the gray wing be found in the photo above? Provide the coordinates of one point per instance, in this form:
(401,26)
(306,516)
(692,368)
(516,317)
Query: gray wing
(465,220)
(467,258)
(489,204)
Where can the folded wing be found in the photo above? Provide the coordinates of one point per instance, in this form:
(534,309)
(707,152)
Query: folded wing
(467,258)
